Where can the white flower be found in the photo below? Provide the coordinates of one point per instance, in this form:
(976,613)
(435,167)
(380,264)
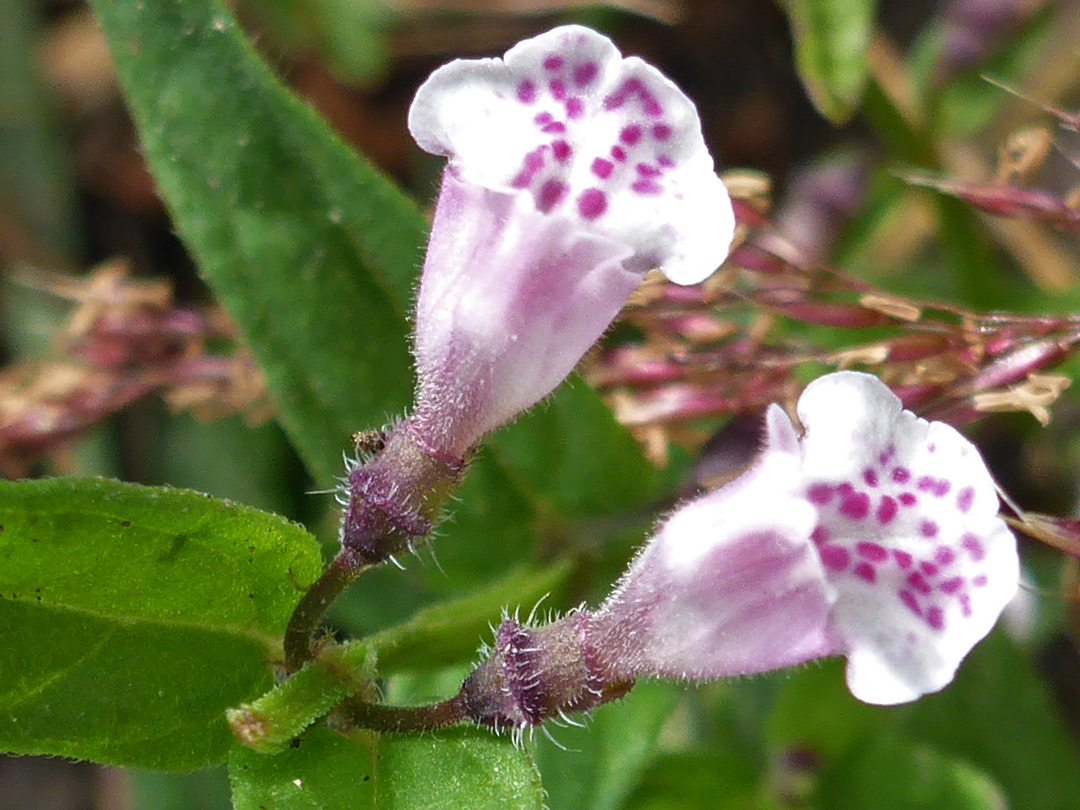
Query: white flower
(875,536)
(572,172)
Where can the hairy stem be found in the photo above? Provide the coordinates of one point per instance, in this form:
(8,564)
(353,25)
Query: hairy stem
(344,569)
(400,719)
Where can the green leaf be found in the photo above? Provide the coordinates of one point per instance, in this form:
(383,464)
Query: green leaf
(132,617)
(312,251)
(202,790)
(455,770)
(890,773)
(599,765)
(831,40)
(325,771)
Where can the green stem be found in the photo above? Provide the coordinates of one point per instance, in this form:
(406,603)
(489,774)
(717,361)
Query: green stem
(343,570)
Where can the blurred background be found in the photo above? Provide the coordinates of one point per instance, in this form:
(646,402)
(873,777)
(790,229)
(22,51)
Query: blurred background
(905,163)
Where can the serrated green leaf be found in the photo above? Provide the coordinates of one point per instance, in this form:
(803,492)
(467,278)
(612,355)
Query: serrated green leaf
(454,770)
(132,617)
(831,39)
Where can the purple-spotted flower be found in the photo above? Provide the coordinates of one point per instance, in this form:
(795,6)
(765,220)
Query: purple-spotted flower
(875,535)
(572,171)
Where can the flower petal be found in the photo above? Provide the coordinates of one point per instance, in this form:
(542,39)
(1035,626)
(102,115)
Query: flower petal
(908,533)
(509,301)
(730,585)
(605,141)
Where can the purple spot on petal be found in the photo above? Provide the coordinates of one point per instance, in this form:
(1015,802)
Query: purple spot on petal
(973,545)
(526,92)
(592,203)
(554,127)
(562,151)
(819,494)
(887,510)
(647,170)
(632,85)
(979,581)
(614,101)
(908,598)
(845,489)
(938,487)
(903,559)
(965,604)
(543,118)
(855,506)
(869,477)
(630,134)
(602,168)
(901,475)
(918,582)
(928,568)
(551,194)
(951,585)
(558,89)
(652,107)
(907,498)
(928,528)
(820,535)
(575,107)
(585,73)
(872,551)
(835,558)
(665,162)
(553,62)
(935,617)
(646,187)
(886,455)
(931,448)
(618,153)
(661,132)
(944,556)
(965,498)
(865,571)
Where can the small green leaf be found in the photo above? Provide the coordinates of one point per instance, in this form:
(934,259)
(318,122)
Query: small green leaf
(454,770)
(132,617)
(831,40)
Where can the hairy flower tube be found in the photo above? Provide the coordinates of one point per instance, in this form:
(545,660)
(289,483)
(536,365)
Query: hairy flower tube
(874,536)
(572,171)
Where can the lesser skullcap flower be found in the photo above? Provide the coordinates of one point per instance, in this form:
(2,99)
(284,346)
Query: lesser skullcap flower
(875,536)
(572,171)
